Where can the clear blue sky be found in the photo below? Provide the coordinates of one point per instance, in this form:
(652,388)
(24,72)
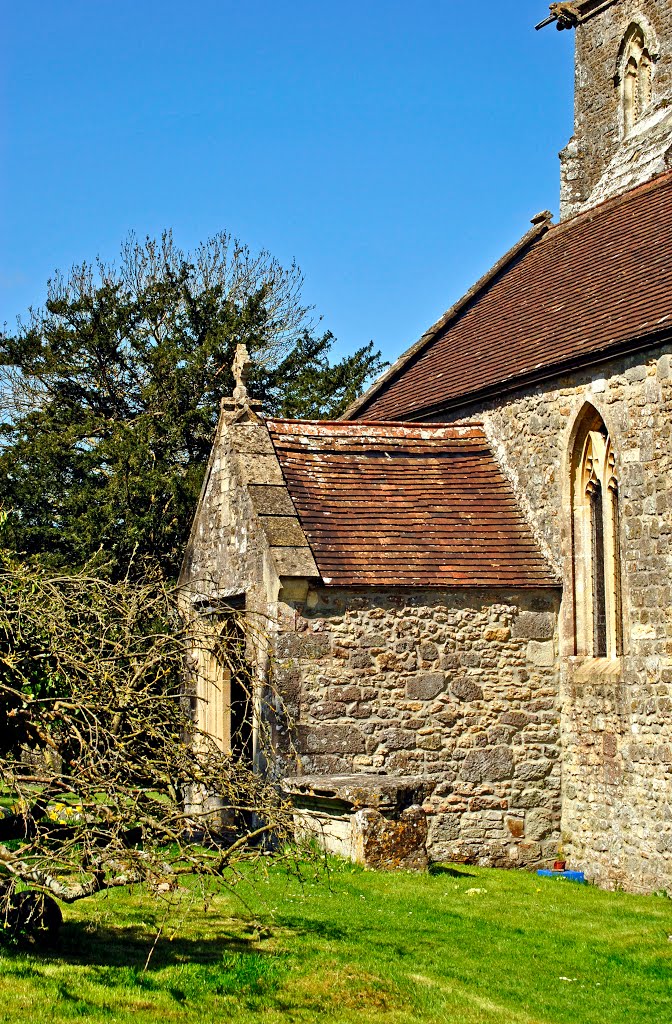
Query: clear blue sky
(395,150)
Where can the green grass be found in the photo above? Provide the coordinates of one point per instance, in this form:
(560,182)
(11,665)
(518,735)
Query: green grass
(361,946)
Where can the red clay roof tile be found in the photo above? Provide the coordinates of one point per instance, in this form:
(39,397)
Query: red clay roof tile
(387,504)
(585,287)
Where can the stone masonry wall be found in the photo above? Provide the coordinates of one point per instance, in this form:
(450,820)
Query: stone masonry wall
(227,552)
(599,162)
(457,686)
(616,717)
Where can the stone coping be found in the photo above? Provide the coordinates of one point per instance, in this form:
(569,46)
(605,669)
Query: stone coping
(385,792)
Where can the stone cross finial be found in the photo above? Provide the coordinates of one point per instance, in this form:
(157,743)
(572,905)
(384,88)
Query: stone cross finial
(241,370)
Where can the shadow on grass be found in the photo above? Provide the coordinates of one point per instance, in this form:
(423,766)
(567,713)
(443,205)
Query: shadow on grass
(189,970)
(322,929)
(443,869)
(130,946)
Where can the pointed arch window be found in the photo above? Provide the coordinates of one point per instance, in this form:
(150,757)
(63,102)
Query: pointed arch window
(595,542)
(636,65)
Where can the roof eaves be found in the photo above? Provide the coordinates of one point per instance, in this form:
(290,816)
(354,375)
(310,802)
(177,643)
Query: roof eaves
(546,371)
(551,582)
(540,225)
(381,429)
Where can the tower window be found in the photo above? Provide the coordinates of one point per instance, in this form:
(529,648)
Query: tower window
(635,77)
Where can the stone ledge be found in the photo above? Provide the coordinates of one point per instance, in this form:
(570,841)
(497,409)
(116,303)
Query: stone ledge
(387,793)
(583,670)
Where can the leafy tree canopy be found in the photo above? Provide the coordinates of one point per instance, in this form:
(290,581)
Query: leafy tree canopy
(111,393)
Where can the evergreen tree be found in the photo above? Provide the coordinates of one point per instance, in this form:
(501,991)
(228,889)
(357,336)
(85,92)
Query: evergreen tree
(111,394)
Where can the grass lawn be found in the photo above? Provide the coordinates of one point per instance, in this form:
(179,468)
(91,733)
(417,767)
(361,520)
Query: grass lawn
(462,945)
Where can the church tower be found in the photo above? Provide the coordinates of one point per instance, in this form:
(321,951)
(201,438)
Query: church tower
(623,98)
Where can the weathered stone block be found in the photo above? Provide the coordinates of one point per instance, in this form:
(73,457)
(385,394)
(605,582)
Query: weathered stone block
(295,562)
(531,771)
(283,531)
(488,765)
(516,719)
(539,823)
(430,742)
(635,373)
(344,693)
(294,590)
(444,828)
(287,679)
(448,716)
(388,661)
(609,744)
(529,798)
(497,634)
(261,469)
(331,739)
(466,689)
(428,650)
(398,739)
(374,640)
(516,827)
(327,764)
(449,662)
(664,367)
(362,710)
(541,653)
(389,793)
(303,645)
(425,685)
(534,626)
(487,803)
(402,761)
(388,845)
(251,439)
(271,499)
(529,852)
(327,709)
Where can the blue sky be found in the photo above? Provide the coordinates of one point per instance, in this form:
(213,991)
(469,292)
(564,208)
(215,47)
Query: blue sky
(395,150)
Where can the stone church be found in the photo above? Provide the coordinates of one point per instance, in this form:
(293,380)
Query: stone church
(463,586)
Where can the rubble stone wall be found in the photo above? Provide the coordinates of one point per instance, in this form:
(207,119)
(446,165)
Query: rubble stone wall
(616,716)
(457,686)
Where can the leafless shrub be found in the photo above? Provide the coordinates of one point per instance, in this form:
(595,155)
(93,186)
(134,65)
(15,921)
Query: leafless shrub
(106,779)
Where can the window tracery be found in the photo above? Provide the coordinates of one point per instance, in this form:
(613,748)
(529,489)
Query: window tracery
(595,542)
(636,64)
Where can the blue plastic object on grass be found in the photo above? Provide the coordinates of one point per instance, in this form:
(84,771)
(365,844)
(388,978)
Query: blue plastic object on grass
(571,876)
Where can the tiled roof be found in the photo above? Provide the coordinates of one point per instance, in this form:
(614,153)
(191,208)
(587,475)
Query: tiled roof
(389,504)
(567,295)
